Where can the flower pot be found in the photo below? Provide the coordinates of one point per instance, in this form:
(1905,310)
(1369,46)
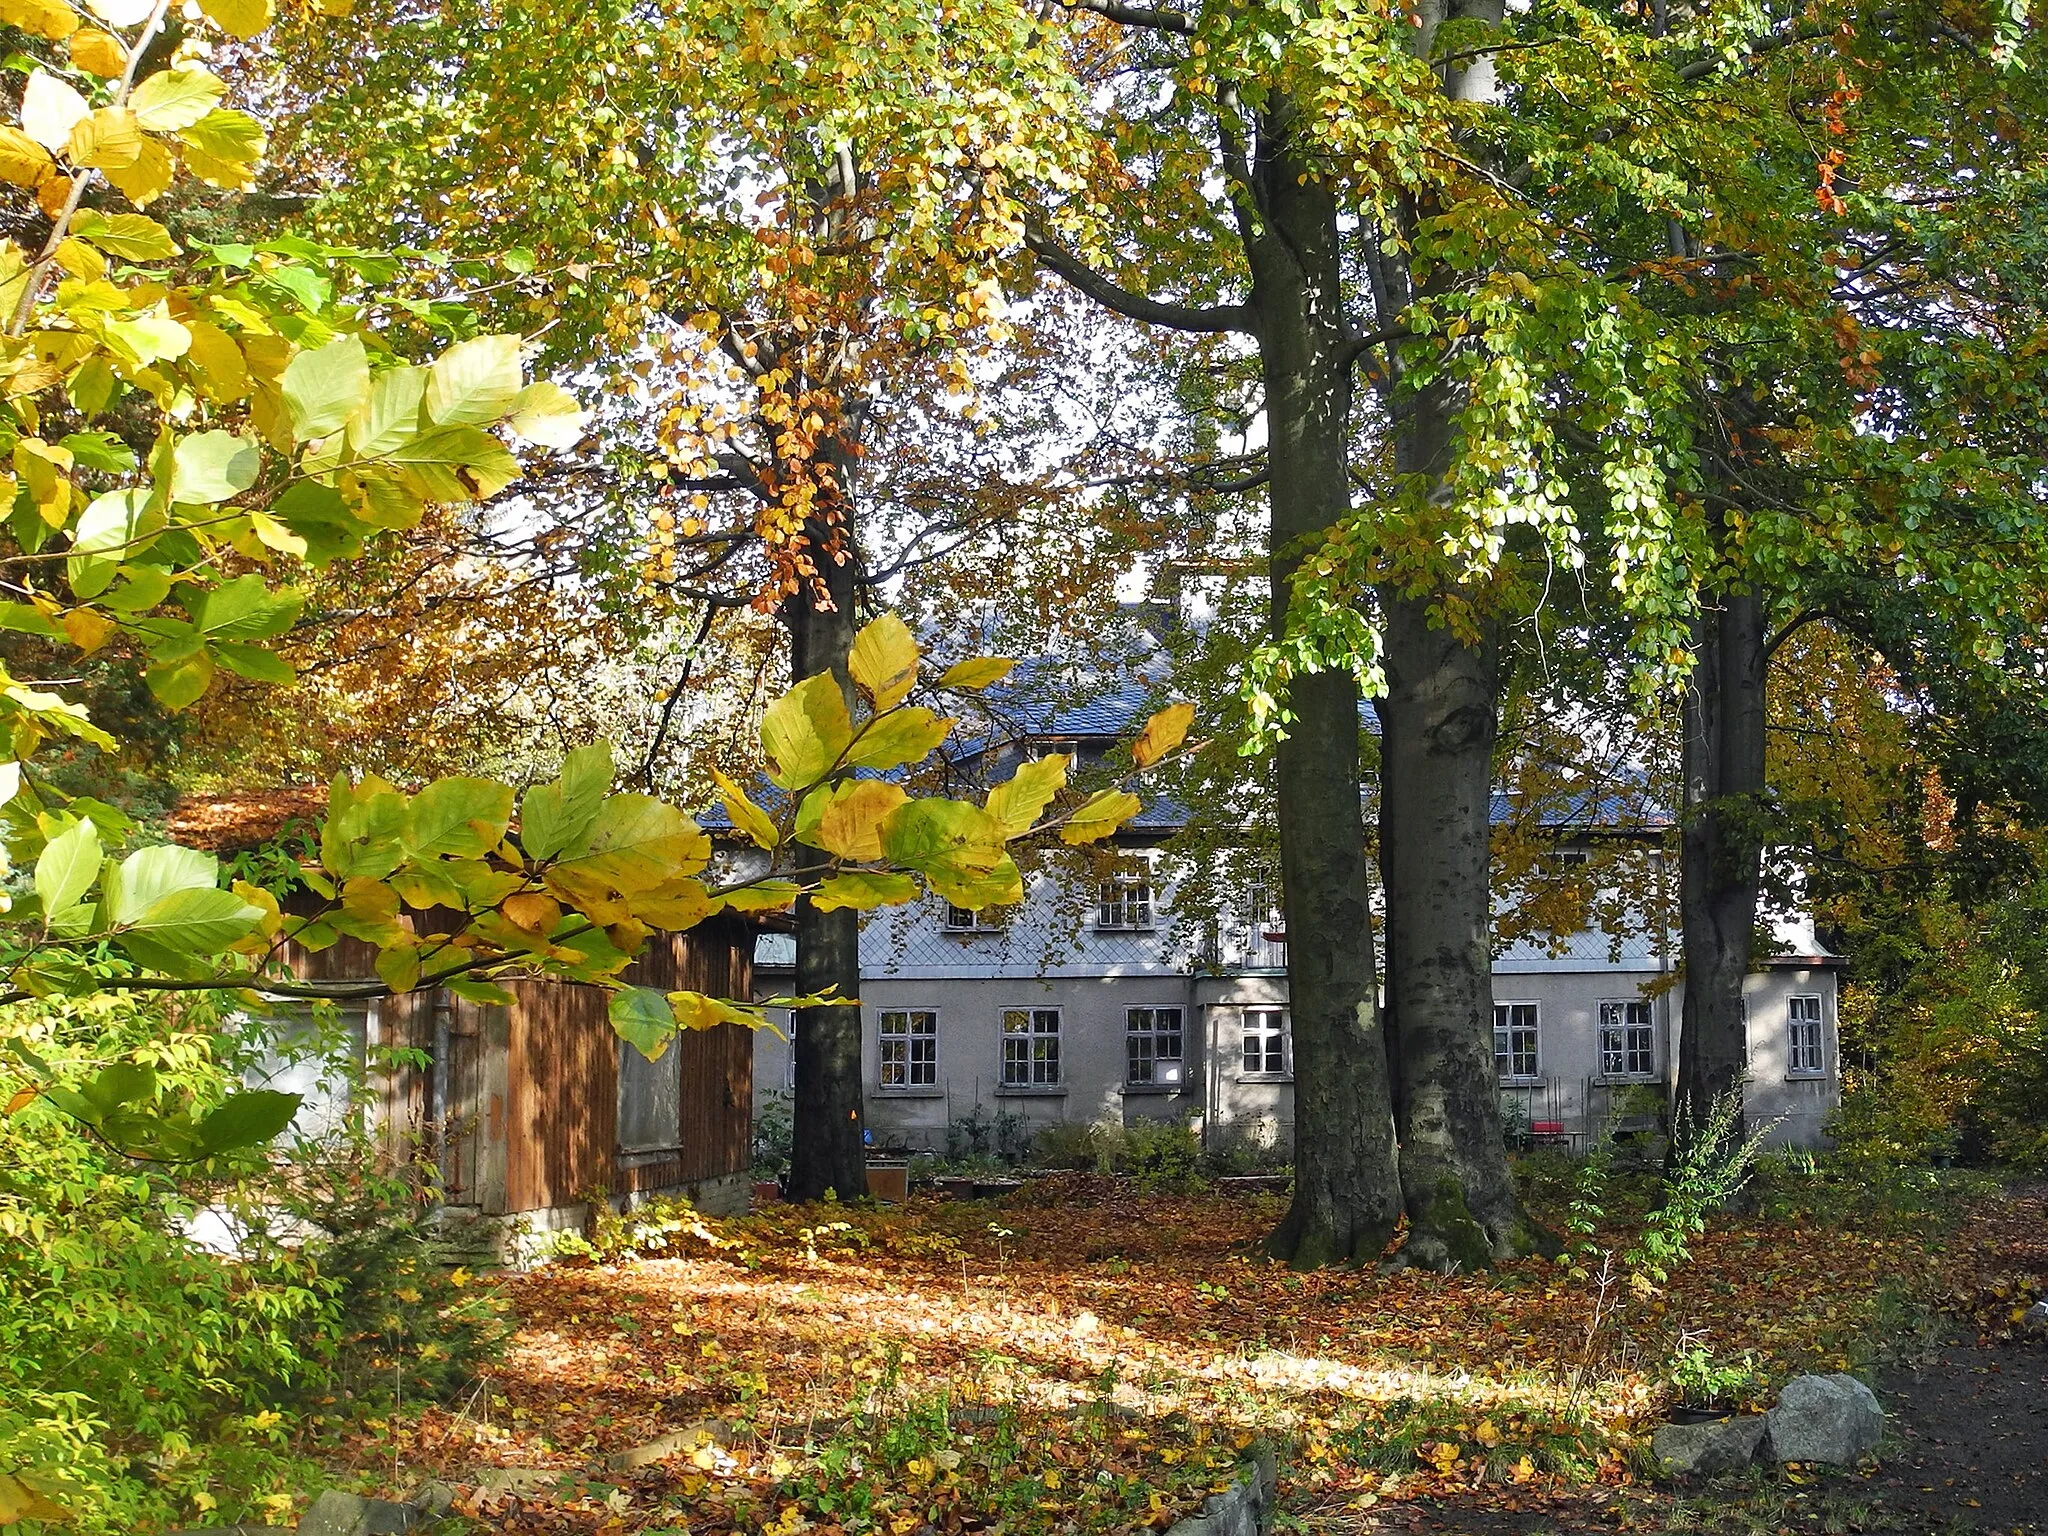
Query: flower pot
(1687,1413)
(766,1192)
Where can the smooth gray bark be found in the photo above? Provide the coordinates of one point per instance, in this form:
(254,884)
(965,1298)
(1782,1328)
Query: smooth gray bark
(1721,835)
(828,1151)
(1346,1190)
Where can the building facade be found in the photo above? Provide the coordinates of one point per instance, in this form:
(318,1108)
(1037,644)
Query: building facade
(1094,1006)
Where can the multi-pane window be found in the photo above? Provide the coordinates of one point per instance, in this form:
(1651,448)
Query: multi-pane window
(1627,1047)
(1265,1042)
(1514,1040)
(1803,1017)
(1031,1047)
(967,920)
(910,1048)
(1125,902)
(1152,1045)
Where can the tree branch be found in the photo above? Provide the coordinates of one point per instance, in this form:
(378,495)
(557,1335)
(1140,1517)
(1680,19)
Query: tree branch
(1135,15)
(1134,306)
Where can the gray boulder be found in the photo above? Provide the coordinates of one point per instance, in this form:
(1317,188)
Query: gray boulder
(346,1514)
(1707,1450)
(1246,1509)
(1833,1419)
(2037,1316)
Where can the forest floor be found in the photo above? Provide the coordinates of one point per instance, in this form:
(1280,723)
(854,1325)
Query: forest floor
(1084,1356)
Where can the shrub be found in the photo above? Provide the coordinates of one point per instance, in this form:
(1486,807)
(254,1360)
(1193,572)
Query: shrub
(1067,1144)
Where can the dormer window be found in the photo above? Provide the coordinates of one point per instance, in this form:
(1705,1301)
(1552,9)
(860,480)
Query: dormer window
(1124,904)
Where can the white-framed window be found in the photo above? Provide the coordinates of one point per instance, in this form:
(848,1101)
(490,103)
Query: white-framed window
(1265,1042)
(1567,861)
(910,1047)
(1804,1054)
(1152,1047)
(1124,902)
(968,920)
(1514,1041)
(1031,1047)
(1628,1045)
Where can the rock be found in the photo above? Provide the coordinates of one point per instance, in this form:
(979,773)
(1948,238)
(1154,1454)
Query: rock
(518,1482)
(1833,1419)
(346,1514)
(679,1442)
(1707,1450)
(2037,1316)
(1245,1510)
(432,1499)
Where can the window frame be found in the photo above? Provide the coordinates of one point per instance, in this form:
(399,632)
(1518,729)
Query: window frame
(1284,1030)
(1647,1028)
(1152,1035)
(909,1039)
(1511,1077)
(670,1063)
(977,921)
(1126,886)
(1031,1081)
(1819,1043)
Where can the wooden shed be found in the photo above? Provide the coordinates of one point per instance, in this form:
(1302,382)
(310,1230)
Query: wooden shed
(532,1111)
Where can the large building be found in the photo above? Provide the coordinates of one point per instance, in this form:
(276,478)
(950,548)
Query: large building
(1091,1002)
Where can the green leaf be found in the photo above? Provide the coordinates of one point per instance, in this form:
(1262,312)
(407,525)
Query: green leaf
(943,835)
(99,450)
(548,415)
(643,1019)
(635,843)
(883,661)
(148,875)
(863,889)
(108,531)
(461,818)
(68,866)
(222,149)
(214,466)
(254,662)
(182,681)
(390,417)
(244,609)
(131,236)
(559,815)
(805,731)
(903,736)
(474,991)
(456,464)
(120,1083)
(1002,886)
(1017,803)
(325,387)
(192,922)
(249,1119)
(475,382)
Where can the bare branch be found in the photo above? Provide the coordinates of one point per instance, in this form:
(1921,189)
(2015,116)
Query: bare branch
(1134,306)
(1135,15)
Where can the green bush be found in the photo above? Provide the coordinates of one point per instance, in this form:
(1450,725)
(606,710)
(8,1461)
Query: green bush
(1068,1144)
(145,1379)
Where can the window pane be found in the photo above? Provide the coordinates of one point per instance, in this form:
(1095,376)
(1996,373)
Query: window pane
(650,1100)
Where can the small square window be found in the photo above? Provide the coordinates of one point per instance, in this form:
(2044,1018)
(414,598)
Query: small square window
(1265,1042)
(1124,903)
(1031,1047)
(1628,1046)
(909,1048)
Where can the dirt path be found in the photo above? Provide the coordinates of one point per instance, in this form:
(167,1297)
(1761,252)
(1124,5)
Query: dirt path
(1968,1441)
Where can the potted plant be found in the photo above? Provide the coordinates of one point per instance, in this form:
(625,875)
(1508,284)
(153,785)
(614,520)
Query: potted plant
(1707,1387)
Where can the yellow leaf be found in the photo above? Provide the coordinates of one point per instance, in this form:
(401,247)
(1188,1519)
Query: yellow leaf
(98,53)
(218,361)
(883,661)
(1163,732)
(275,535)
(18,1502)
(86,629)
(242,18)
(147,179)
(976,672)
(1017,803)
(850,825)
(23,161)
(23,1097)
(80,260)
(44,18)
(744,814)
(1524,1470)
(172,99)
(50,109)
(110,138)
(863,889)
(1099,816)
(804,732)
(1486,1434)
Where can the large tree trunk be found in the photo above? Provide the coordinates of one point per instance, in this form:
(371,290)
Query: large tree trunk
(1722,842)
(1438,720)
(1346,1191)
(828,1151)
